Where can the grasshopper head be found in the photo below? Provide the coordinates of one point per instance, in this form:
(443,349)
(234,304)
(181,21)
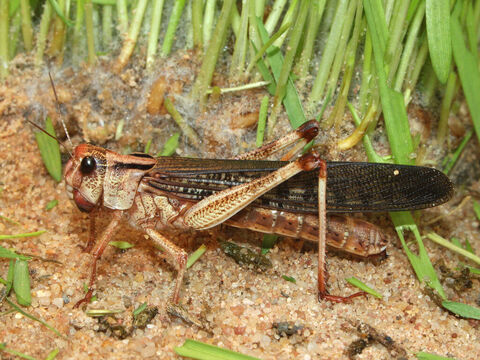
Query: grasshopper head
(84,176)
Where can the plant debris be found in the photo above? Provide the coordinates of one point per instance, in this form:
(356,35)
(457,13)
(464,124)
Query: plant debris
(368,336)
(245,256)
(116,327)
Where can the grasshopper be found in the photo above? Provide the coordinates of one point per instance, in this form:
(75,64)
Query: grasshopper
(288,198)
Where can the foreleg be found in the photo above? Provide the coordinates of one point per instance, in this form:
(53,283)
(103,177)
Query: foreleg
(104,240)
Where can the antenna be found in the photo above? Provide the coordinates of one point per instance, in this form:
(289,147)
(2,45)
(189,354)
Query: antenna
(52,136)
(58,109)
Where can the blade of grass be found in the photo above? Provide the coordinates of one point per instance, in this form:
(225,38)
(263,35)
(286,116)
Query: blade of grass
(11,268)
(395,115)
(182,124)
(13,222)
(44,323)
(131,39)
(426,356)
(239,88)
(147,146)
(122,245)
(107,27)
(274,16)
(15,28)
(347,58)
(289,279)
(208,20)
(8,254)
(291,101)
(197,23)
(263,49)
(89,27)
(328,53)
(196,255)
(122,14)
(456,155)
(459,250)
(438,33)
(51,204)
(21,283)
(411,40)
(50,151)
(476,208)
(205,74)
(52,354)
(18,236)
(58,10)
(198,350)
(78,35)
(237,64)
(102,312)
(170,145)
(139,309)
(172,27)
(421,263)
(284,75)
(451,90)
(4,348)
(468,72)
(357,283)
(462,310)
(262,119)
(4,36)
(340,57)
(27,29)
(314,18)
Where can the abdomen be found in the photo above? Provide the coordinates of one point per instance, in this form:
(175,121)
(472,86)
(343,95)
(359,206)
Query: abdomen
(346,234)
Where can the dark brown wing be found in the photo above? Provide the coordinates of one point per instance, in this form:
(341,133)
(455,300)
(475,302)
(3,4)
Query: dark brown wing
(351,186)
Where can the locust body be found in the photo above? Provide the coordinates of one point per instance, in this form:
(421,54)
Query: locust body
(277,197)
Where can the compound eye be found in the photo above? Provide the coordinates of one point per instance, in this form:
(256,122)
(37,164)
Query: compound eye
(87,165)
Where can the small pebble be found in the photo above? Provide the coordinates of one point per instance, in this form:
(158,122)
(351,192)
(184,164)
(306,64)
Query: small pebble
(58,302)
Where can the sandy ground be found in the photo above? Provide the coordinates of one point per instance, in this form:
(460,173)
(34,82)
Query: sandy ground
(238,306)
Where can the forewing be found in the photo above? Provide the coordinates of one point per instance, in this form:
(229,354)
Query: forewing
(351,187)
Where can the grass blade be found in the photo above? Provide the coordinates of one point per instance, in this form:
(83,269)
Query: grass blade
(462,310)
(44,323)
(426,356)
(421,263)
(18,236)
(198,350)
(52,354)
(7,254)
(454,157)
(291,101)
(438,33)
(50,151)
(58,10)
(196,255)
(21,283)
(468,72)
(262,119)
(445,243)
(172,27)
(170,145)
(364,287)
(51,204)
(122,245)
(182,124)
(395,114)
(4,348)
